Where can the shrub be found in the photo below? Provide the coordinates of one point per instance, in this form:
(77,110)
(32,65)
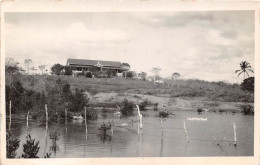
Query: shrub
(248,84)
(128,108)
(30,148)
(78,101)
(247,109)
(143,104)
(129,74)
(54,137)
(111,73)
(155,107)
(12,144)
(88,75)
(163,114)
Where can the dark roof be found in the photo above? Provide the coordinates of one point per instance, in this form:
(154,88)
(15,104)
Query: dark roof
(92,62)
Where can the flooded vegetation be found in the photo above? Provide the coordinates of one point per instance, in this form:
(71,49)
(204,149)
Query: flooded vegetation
(211,137)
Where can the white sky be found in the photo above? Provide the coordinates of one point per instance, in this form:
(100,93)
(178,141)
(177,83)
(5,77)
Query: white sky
(203,45)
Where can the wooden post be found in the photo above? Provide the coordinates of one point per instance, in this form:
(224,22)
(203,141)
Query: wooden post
(140,117)
(27,119)
(112,127)
(65,113)
(185,131)
(85,109)
(235,133)
(10,114)
(46,110)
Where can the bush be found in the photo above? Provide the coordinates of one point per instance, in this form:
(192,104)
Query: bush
(30,148)
(248,84)
(247,109)
(128,108)
(78,100)
(111,73)
(129,74)
(163,114)
(88,75)
(143,105)
(12,144)
(155,107)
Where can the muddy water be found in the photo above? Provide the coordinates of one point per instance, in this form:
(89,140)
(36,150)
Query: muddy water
(208,134)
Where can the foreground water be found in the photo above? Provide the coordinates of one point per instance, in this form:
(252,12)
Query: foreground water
(210,134)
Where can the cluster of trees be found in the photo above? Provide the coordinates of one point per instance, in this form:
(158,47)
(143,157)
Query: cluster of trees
(248,84)
(57,96)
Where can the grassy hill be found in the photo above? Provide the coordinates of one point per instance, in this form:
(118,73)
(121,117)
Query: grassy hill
(210,91)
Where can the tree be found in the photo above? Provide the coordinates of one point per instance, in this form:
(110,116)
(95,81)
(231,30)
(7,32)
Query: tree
(125,67)
(142,75)
(155,71)
(129,74)
(175,75)
(248,84)
(111,73)
(244,67)
(68,70)
(42,68)
(56,69)
(28,61)
(33,69)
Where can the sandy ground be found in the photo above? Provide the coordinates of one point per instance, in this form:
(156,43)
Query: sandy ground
(167,103)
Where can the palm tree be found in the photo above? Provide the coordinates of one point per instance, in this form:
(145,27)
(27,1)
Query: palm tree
(244,67)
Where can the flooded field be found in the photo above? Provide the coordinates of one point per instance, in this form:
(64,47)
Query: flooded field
(209,134)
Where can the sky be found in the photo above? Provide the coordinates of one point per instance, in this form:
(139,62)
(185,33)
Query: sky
(206,45)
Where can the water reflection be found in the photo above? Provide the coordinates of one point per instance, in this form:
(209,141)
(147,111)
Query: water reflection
(156,138)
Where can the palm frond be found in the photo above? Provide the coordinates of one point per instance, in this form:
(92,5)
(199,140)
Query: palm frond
(247,73)
(239,73)
(251,70)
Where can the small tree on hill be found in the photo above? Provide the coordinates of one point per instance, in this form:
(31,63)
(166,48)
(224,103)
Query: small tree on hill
(56,69)
(142,75)
(42,68)
(175,75)
(125,67)
(27,62)
(155,71)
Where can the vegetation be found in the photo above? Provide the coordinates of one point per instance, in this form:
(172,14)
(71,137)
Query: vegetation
(247,109)
(143,104)
(30,148)
(248,84)
(163,114)
(54,137)
(142,75)
(56,69)
(155,71)
(12,144)
(127,108)
(244,68)
(175,75)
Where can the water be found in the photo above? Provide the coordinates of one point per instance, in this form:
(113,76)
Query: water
(157,138)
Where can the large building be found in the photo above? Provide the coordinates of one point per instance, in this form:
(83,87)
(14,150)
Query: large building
(84,65)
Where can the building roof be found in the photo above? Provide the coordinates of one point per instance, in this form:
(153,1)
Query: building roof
(93,62)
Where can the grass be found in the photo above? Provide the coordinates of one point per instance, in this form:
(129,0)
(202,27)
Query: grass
(213,91)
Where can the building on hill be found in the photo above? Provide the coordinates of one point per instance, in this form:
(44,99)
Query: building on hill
(84,65)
